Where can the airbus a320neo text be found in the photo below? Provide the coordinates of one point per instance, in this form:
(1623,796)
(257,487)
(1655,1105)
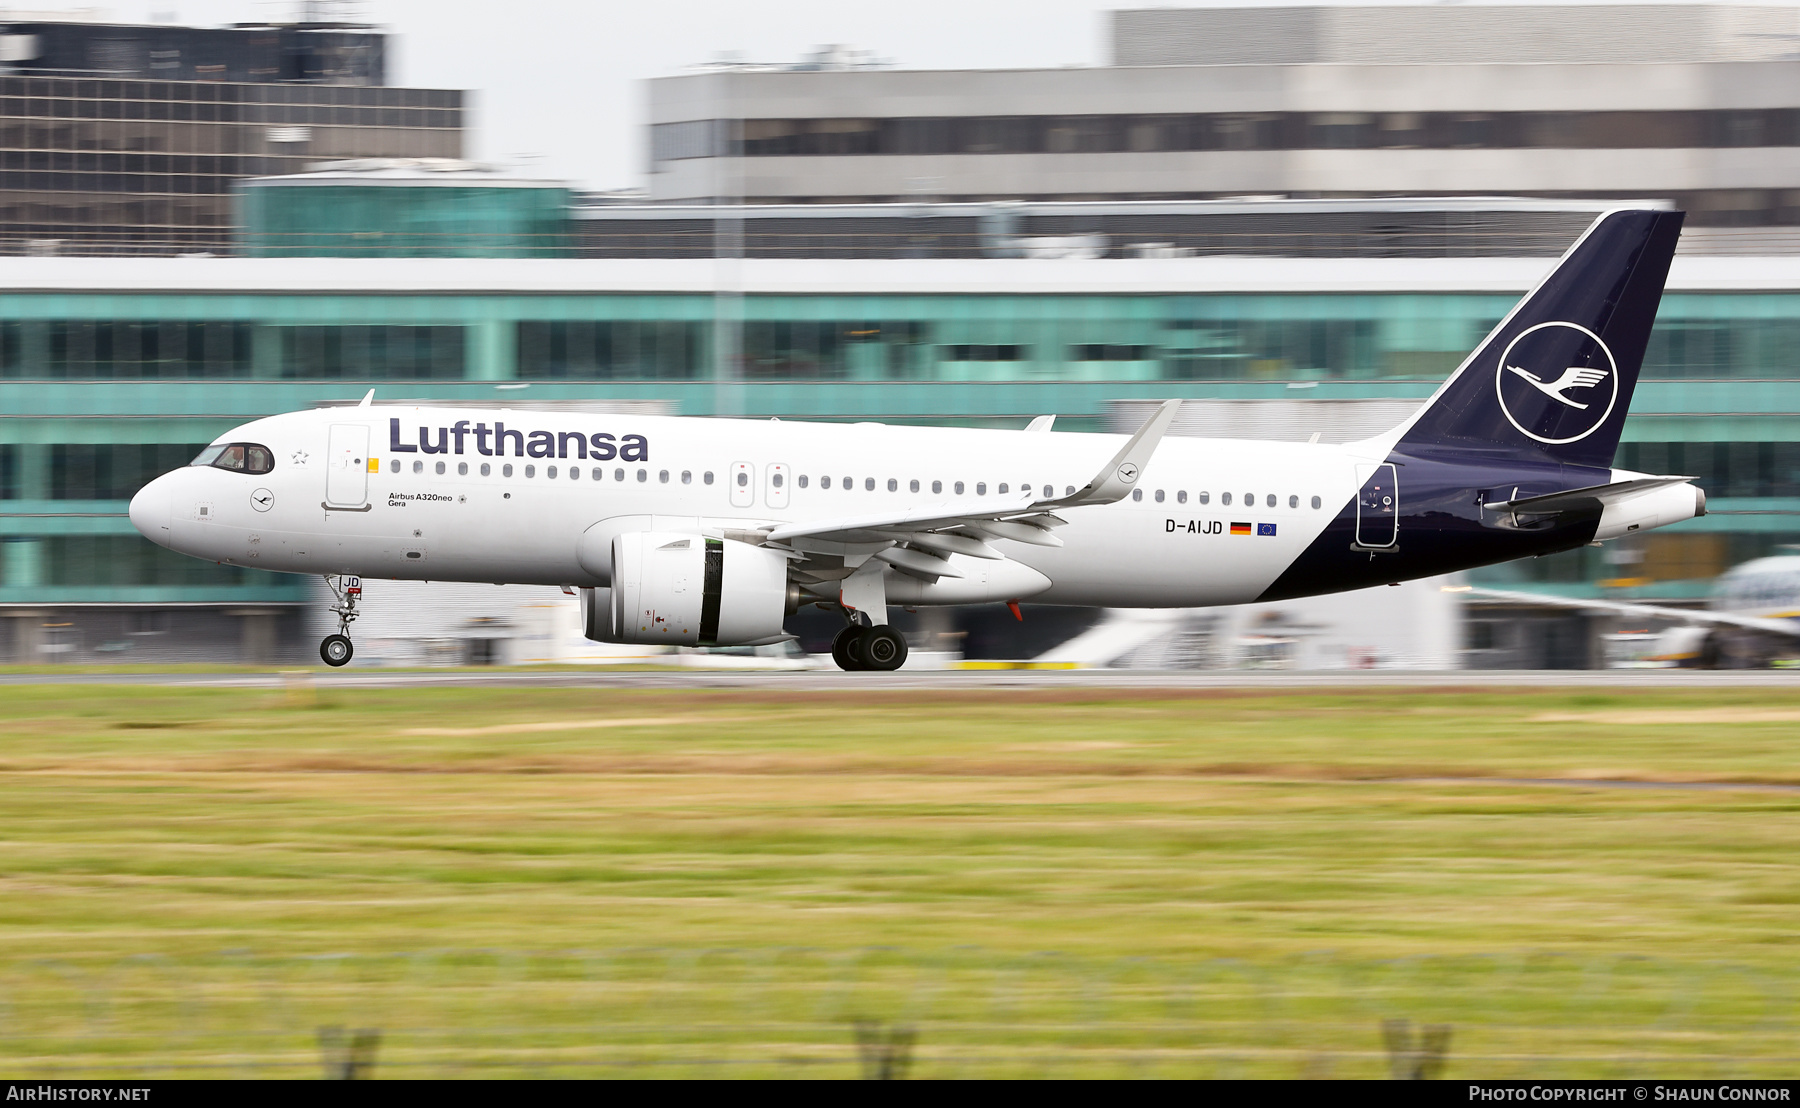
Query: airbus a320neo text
(704,532)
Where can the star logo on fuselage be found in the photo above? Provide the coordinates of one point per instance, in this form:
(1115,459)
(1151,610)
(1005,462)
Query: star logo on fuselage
(299,458)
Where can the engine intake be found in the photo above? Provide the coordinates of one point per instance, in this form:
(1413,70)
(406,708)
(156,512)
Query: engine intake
(678,589)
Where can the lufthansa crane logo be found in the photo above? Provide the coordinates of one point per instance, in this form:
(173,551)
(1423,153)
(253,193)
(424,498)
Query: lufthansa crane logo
(1557,382)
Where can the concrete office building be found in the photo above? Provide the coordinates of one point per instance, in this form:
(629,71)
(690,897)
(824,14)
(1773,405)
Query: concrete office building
(119,139)
(1698,103)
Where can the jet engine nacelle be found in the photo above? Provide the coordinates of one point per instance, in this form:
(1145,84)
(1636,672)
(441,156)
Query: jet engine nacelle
(1646,510)
(674,589)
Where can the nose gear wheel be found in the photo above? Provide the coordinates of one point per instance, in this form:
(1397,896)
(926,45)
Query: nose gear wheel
(337,650)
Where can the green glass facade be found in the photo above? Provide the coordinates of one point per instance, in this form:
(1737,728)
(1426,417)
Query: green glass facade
(291,218)
(98,392)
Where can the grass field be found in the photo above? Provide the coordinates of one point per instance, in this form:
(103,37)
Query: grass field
(1068,882)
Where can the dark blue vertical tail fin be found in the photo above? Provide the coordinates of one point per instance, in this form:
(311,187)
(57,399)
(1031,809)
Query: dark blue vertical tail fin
(1554,380)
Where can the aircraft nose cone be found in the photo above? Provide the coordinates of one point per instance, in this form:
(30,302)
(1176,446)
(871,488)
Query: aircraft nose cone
(152,508)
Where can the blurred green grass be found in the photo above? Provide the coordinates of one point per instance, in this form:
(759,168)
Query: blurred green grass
(228,839)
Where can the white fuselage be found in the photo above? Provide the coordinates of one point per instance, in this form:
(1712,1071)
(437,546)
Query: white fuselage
(341,499)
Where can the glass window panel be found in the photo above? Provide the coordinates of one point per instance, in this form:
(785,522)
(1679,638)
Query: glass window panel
(372,353)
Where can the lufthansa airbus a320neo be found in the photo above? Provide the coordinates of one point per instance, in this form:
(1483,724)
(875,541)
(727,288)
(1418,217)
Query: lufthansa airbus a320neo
(710,532)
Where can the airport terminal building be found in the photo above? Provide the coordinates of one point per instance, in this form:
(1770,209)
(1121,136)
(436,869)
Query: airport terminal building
(1696,102)
(851,243)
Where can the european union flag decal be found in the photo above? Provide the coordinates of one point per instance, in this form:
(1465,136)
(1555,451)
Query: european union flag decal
(1265,529)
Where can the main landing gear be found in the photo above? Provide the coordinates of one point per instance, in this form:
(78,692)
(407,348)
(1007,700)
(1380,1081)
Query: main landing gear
(337,649)
(862,647)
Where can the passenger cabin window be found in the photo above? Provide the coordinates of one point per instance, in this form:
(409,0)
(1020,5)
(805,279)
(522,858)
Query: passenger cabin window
(1137,494)
(1293,502)
(1317,503)
(938,487)
(238,457)
(1159,496)
(803,480)
(707,477)
(1181,497)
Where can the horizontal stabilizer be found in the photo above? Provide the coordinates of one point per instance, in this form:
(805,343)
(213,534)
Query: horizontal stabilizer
(1586,499)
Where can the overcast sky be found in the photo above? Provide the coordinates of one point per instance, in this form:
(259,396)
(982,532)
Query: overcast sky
(557,83)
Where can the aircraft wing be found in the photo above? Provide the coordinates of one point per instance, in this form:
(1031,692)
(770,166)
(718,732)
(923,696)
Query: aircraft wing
(1649,611)
(933,531)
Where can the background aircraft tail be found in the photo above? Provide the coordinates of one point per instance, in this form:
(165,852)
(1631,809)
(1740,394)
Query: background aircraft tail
(1554,380)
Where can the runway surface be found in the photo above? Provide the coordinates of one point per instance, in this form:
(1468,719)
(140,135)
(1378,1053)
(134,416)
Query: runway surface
(1020,679)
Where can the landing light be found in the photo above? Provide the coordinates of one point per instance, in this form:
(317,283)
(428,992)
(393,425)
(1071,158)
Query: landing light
(1458,588)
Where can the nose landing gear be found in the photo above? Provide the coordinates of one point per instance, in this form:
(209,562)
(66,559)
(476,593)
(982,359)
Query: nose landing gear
(336,649)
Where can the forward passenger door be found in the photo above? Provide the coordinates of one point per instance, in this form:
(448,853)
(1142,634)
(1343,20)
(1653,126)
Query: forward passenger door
(347,466)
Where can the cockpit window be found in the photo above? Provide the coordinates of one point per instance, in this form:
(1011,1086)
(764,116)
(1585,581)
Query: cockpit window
(239,457)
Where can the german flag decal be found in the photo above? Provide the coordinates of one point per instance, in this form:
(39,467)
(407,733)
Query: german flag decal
(1240,528)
